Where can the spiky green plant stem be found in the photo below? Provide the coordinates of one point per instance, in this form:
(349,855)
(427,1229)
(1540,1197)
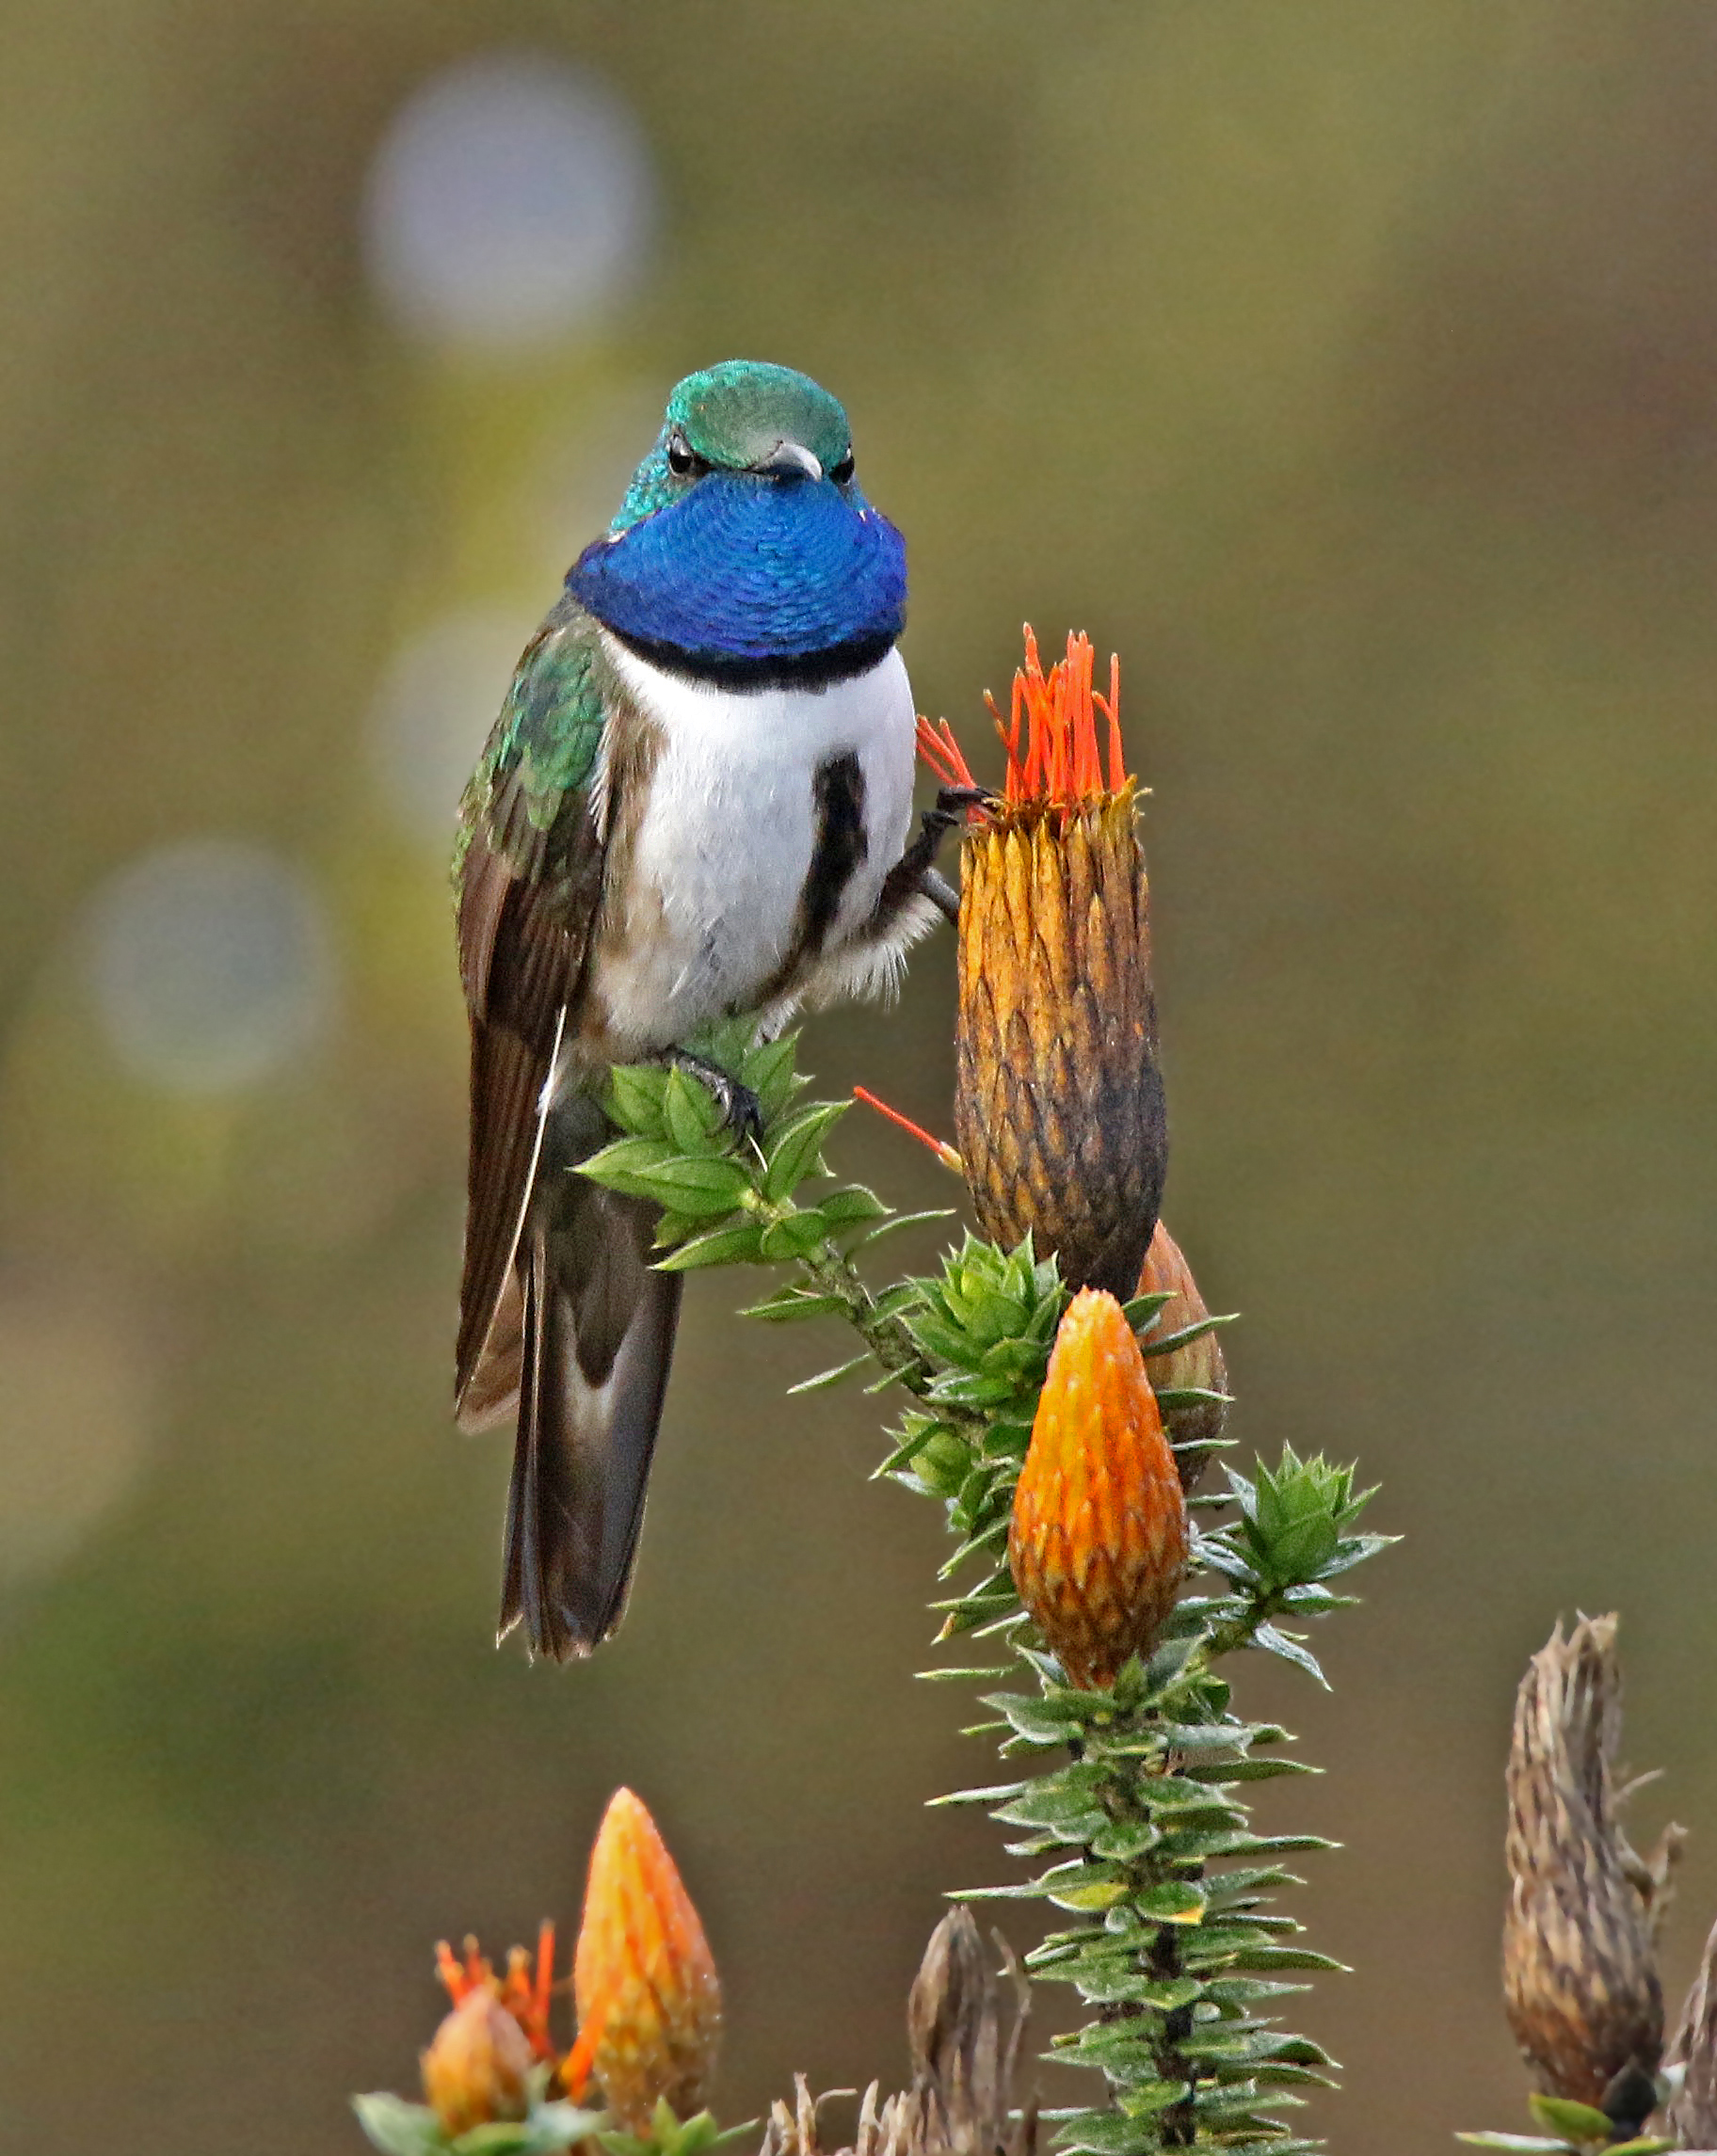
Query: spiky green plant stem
(1135,1790)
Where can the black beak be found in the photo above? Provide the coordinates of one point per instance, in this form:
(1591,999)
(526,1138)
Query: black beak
(790,458)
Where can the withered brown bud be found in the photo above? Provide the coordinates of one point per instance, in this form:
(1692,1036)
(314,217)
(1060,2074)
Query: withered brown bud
(1058,1103)
(1579,1965)
(1199,1366)
(474,2070)
(1692,2115)
(962,2100)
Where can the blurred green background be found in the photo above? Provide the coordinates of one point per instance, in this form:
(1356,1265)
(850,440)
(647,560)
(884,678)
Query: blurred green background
(1352,371)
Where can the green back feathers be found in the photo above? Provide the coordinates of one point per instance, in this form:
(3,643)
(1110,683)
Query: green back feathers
(546,739)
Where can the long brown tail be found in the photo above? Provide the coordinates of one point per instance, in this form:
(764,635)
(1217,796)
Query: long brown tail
(598,1338)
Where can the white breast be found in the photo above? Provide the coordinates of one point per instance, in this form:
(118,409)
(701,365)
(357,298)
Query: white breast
(722,855)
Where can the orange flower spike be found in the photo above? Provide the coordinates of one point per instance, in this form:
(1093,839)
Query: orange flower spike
(1058,1101)
(649,1998)
(1097,1543)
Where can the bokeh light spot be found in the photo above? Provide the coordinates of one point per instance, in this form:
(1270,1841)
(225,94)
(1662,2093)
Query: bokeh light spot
(434,709)
(210,964)
(510,205)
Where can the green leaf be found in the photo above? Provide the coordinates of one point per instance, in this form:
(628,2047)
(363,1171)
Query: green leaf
(1645,2146)
(1519,2141)
(826,1378)
(701,1187)
(899,1220)
(1175,1901)
(741,1244)
(567,2123)
(1149,1345)
(617,1164)
(506,2137)
(1218,1771)
(1052,1721)
(1123,1840)
(995,1795)
(1262,1956)
(634,1097)
(852,1206)
(693,1114)
(1274,1641)
(792,1151)
(1121,2132)
(400,2128)
(1573,2121)
(798,1235)
(789,1304)
(768,1071)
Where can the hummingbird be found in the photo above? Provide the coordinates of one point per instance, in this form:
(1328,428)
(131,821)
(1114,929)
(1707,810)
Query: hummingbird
(695,804)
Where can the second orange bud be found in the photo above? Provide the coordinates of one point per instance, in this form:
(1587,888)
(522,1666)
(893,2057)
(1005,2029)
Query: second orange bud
(1097,1543)
(649,1998)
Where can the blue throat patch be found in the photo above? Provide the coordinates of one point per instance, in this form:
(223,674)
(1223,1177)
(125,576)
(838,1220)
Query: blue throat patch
(747,569)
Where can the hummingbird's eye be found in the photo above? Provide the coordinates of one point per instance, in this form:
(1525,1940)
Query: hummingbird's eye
(843,472)
(682,459)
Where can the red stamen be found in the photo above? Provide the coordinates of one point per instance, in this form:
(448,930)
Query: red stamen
(448,1968)
(545,1981)
(945,1154)
(938,748)
(1061,761)
(575,2067)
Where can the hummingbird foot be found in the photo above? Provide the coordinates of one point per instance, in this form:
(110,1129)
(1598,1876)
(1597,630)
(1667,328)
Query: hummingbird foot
(942,894)
(741,1109)
(916,870)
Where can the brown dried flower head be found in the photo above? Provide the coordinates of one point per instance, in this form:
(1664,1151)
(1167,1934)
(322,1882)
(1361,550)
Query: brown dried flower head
(649,1998)
(1578,1970)
(1197,1365)
(1099,1538)
(1058,1106)
(474,2070)
(1693,2113)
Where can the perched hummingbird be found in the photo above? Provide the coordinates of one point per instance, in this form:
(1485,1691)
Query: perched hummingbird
(696,803)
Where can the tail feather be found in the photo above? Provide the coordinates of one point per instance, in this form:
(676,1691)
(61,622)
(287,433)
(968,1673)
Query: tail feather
(598,1336)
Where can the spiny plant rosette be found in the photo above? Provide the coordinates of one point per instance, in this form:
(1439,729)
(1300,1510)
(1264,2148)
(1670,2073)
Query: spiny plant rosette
(1061,1440)
(650,2019)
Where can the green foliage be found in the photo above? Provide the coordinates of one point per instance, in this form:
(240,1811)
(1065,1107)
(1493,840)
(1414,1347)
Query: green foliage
(1575,2130)
(402,2129)
(728,1199)
(670,2136)
(1131,1806)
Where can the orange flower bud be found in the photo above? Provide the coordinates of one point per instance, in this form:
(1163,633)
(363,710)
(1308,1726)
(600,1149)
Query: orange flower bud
(1058,1104)
(1098,1540)
(649,1998)
(474,2070)
(1199,1365)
